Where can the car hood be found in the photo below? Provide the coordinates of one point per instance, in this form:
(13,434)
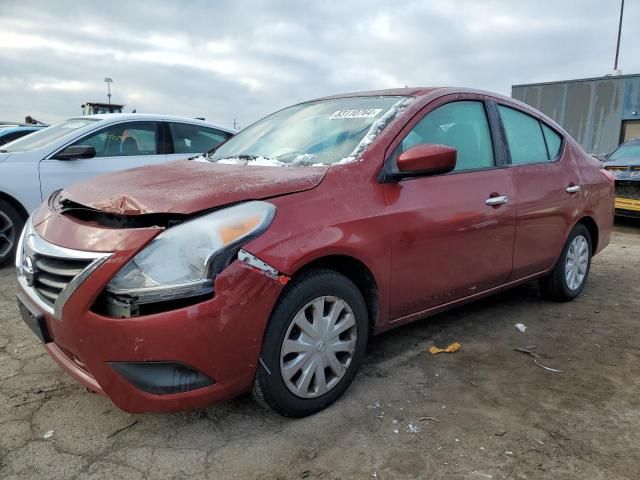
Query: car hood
(623,162)
(186,187)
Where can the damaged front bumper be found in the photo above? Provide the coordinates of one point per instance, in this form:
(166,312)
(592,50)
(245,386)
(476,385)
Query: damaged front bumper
(183,357)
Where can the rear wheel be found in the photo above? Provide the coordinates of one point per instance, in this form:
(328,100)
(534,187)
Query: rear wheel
(568,278)
(11,223)
(313,345)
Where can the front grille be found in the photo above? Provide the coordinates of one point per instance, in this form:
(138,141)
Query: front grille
(630,190)
(49,273)
(52,275)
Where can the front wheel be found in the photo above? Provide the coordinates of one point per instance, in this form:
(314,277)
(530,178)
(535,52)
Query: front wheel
(314,343)
(568,278)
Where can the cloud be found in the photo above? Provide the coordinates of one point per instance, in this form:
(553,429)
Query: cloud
(242,60)
(64,85)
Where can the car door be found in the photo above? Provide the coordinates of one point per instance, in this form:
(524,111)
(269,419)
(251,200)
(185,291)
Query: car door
(118,146)
(452,234)
(188,140)
(547,187)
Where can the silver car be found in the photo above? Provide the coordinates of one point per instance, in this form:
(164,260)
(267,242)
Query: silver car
(34,166)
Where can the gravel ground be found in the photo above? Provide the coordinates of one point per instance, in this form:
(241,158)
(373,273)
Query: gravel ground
(486,411)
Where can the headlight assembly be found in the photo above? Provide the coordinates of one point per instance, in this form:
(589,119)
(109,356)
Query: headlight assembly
(183,260)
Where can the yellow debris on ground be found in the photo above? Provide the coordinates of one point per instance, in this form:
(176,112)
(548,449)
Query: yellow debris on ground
(454,347)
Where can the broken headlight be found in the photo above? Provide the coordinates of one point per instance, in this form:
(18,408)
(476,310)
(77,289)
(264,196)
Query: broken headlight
(183,260)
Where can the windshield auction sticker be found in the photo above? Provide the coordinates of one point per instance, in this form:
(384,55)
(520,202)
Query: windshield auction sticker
(360,113)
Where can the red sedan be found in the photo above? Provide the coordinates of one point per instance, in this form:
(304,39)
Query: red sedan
(267,263)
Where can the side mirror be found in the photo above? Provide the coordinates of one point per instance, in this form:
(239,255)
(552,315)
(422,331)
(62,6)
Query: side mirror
(76,151)
(427,159)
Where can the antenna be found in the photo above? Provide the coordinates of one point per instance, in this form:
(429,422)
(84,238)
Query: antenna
(615,63)
(108,81)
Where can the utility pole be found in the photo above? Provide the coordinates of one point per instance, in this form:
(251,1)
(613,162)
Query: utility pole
(108,81)
(615,64)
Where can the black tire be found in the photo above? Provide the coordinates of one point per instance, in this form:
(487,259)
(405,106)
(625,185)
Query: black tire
(269,387)
(554,286)
(11,224)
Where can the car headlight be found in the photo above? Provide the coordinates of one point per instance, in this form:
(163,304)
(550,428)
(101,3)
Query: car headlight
(183,260)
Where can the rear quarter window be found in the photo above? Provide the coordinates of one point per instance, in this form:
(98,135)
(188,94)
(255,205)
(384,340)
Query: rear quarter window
(554,141)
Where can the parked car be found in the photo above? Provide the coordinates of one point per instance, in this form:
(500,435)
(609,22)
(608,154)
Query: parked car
(9,133)
(624,164)
(34,166)
(268,264)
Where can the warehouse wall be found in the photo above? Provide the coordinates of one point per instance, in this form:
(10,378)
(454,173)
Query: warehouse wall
(590,110)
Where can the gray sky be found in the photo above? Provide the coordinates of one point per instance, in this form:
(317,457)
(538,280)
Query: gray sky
(244,59)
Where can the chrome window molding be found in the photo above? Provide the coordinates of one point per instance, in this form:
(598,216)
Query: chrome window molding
(30,243)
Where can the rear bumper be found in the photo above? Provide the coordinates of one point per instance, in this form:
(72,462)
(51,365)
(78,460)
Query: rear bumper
(220,338)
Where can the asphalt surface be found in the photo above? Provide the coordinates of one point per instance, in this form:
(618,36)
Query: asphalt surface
(486,411)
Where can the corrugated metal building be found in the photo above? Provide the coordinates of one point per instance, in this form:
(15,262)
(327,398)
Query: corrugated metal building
(599,113)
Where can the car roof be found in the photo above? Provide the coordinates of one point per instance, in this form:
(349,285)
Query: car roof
(439,91)
(418,92)
(153,117)
(389,92)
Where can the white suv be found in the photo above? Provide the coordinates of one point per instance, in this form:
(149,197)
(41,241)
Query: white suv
(34,166)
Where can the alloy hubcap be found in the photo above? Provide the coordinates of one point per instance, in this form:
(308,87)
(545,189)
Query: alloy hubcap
(318,347)
(576,263)
(7,235)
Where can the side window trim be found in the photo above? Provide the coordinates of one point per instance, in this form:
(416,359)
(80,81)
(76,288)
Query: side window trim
(544,138)
(165,138)
(158,125)
(502,156)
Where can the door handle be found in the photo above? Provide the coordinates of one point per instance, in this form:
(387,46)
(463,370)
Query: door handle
(495,201)
(572,188)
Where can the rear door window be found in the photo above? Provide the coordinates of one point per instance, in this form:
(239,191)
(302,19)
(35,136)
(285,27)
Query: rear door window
(524,137)
(462,125)
(189,138)
(124,139)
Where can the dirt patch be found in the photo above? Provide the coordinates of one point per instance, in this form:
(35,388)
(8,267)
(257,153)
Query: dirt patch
(486,411)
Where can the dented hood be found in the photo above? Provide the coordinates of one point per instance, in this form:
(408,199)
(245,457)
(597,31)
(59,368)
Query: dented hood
(186,187)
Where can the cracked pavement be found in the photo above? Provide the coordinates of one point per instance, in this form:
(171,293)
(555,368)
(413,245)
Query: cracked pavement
(486,411)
